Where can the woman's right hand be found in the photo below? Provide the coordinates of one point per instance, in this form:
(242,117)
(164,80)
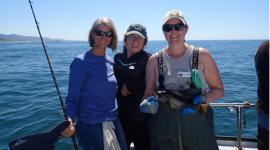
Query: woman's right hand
(149,105)
(69,131)
(125,91)
(150,78)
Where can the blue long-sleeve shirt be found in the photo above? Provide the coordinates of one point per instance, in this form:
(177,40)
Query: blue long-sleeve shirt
(92,89)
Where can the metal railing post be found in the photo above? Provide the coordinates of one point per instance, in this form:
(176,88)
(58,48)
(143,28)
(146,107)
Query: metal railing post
(239,128)
(238,107)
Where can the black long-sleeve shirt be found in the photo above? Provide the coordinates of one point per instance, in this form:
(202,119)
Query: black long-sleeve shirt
(132,73)
(262,68)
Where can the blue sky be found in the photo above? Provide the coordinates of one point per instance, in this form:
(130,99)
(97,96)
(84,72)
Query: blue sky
(72,20)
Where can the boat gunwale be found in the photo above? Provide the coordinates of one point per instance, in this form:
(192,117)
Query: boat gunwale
(233,138)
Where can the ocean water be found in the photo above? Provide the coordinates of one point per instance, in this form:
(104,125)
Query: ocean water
(29,102)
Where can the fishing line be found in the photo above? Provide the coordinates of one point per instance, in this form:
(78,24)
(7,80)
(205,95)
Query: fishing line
(54,79)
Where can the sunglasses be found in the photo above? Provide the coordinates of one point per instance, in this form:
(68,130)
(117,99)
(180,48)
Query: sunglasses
(177,27)
(101,33)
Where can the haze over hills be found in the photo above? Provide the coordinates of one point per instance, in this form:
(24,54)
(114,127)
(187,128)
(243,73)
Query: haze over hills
(15,37)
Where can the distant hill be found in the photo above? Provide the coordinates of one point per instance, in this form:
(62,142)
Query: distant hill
(15,37)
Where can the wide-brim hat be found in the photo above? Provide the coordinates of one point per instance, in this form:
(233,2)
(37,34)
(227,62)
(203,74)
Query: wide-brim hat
(175,14)
(138,29)
(40,141)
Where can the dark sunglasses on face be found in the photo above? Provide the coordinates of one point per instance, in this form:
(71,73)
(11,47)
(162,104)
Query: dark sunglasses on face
(101,33)
(177,27)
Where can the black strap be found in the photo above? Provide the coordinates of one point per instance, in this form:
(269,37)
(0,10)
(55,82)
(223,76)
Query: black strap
(160,70)
(195,58)
(195,61)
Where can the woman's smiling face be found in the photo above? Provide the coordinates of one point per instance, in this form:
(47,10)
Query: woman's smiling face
(102,41)
(133,46)
(174,36)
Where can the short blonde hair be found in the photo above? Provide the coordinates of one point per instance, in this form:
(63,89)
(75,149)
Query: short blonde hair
(125,42)
(109,24)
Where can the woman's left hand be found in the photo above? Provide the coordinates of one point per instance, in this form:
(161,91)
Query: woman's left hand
(124,91)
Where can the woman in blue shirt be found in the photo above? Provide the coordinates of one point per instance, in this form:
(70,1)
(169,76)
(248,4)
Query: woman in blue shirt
(92,91)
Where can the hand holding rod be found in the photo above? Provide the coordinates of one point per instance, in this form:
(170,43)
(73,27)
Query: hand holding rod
(54,79)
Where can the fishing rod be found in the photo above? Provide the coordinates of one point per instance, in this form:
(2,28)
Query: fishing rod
(54,79)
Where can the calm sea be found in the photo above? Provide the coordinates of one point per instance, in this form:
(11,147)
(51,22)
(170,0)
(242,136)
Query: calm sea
(29,102)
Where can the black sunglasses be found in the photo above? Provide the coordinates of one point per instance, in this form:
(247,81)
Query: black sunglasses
(101,33)
(178,27)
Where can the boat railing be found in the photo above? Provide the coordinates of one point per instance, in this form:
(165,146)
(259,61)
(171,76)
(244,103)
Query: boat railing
(237,107)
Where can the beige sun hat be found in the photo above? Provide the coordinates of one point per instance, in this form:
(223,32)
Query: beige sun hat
(175,14)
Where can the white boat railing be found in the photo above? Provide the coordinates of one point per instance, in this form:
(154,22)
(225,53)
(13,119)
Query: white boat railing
(237,107)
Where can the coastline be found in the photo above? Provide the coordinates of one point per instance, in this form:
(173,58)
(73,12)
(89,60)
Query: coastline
(5,41)
(9,41)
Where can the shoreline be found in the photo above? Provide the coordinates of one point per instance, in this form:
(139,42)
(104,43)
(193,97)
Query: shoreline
(7,41)
(4,41)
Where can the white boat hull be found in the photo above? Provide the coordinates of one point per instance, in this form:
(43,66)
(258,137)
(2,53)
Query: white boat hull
(230,143)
